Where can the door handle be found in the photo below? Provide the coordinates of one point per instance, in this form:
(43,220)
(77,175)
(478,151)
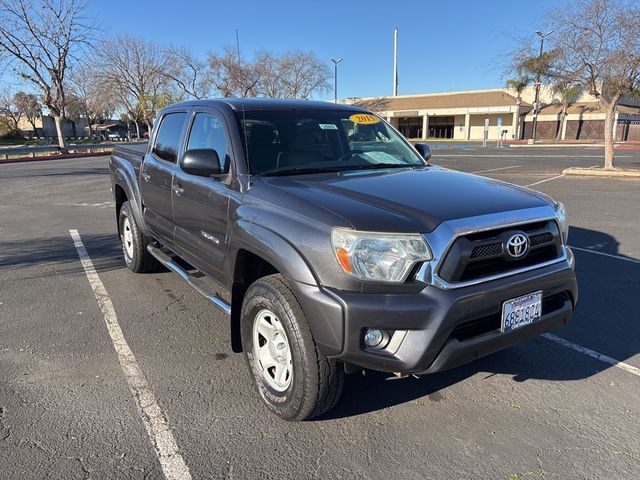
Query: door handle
(178,190)
(146,176)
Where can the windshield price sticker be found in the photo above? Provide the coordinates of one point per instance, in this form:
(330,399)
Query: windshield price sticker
(364,119)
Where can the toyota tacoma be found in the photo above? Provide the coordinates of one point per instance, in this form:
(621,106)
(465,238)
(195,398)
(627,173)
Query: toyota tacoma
(332,245)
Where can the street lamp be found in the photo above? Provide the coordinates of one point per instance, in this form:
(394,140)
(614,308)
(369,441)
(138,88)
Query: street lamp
(335,61)
(536,103)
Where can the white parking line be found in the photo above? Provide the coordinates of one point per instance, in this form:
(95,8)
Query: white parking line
(496,169)
(617,257)
(545,180)
(593,353)
(97,205)
(155,422)
(436,153)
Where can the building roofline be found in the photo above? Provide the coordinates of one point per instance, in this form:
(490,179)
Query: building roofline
(435,94)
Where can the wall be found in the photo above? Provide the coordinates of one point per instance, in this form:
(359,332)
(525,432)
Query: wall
(477,126)
(460,133)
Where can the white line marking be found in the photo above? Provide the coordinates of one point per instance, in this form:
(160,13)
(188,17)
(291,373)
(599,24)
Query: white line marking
(496,169)
(593,353)
(164,443)
(97,205)
(498,156)
(545,180)
(617,257)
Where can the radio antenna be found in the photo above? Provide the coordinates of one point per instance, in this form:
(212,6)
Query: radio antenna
(244,118)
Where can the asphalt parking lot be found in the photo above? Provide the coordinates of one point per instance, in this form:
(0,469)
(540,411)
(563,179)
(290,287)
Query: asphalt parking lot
(554,407)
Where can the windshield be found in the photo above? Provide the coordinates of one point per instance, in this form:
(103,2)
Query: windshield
(281,142)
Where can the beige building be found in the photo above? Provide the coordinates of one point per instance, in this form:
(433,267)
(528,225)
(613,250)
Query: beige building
(467,115)
(46,127)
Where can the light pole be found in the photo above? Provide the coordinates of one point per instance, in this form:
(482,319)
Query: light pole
(536,102)
(335,61)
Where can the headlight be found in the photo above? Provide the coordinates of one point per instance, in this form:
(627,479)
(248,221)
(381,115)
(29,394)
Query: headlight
(561,212)
(384,257)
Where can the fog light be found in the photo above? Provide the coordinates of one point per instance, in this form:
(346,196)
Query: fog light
(374,338)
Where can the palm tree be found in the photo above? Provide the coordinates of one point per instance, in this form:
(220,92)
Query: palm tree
(518,85)
(568,93)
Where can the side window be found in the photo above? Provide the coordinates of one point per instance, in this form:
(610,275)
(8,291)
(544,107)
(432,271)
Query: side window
(207,131)
(168,137)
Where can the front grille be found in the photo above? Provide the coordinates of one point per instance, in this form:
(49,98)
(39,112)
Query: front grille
(484,254)
(489,323)
(487,250)
(540,238)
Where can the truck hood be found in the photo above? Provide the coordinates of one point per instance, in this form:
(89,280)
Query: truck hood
(402,200)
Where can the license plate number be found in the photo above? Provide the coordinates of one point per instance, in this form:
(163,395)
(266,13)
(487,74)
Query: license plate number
(521,311)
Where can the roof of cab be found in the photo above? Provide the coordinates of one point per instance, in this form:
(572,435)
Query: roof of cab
(269,104)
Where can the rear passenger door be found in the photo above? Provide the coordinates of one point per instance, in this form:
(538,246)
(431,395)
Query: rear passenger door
(201,203)
(156,175)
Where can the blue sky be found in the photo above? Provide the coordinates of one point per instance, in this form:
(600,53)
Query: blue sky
(443,46)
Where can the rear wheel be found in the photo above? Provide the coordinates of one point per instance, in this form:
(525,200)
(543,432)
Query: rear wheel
(294,379)
(134,243)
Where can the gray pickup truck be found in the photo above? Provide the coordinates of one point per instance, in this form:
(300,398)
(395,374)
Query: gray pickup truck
(333,246)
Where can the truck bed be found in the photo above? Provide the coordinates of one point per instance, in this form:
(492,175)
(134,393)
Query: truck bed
(133,152)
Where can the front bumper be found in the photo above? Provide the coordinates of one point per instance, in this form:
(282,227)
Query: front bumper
(446,328)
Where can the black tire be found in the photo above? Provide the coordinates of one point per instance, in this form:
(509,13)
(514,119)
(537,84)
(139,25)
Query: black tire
(316,382)
(136,256)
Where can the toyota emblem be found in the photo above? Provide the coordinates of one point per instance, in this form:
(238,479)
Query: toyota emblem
(517,245)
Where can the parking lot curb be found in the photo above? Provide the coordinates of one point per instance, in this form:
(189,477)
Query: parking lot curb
(601,172)
(52,157)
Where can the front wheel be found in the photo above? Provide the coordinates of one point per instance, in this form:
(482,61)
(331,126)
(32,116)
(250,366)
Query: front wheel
(294,379)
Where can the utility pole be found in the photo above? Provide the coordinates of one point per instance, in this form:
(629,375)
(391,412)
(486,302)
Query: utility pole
(395,62)
(335,61)
(536,103)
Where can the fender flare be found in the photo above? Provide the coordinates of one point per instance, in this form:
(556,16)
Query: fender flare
(273,248)
(324,314)
(123,179)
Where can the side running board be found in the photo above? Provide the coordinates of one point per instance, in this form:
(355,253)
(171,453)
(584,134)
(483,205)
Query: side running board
(195,282)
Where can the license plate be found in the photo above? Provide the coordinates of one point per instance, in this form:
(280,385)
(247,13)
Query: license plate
(521,311)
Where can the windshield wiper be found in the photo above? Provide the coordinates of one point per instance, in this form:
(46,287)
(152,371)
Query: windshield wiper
(372,166)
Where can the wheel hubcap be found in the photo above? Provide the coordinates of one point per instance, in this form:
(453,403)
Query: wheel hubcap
(271,350)
(127,237)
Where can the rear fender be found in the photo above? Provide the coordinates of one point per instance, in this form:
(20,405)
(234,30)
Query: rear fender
(124,176)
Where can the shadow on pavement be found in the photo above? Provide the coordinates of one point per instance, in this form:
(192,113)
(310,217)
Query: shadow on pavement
(57,172)
(605,321)
(104,250)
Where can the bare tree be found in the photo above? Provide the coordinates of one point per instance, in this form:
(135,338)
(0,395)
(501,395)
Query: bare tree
(231,76)
(295,74)
(41,38)
(600,45)
(10,111)
(134,70)
(29,105)
(596,45)
(191,76)
(95,100)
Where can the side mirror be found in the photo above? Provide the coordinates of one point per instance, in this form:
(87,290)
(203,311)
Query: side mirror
(203,162)
(424,150)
